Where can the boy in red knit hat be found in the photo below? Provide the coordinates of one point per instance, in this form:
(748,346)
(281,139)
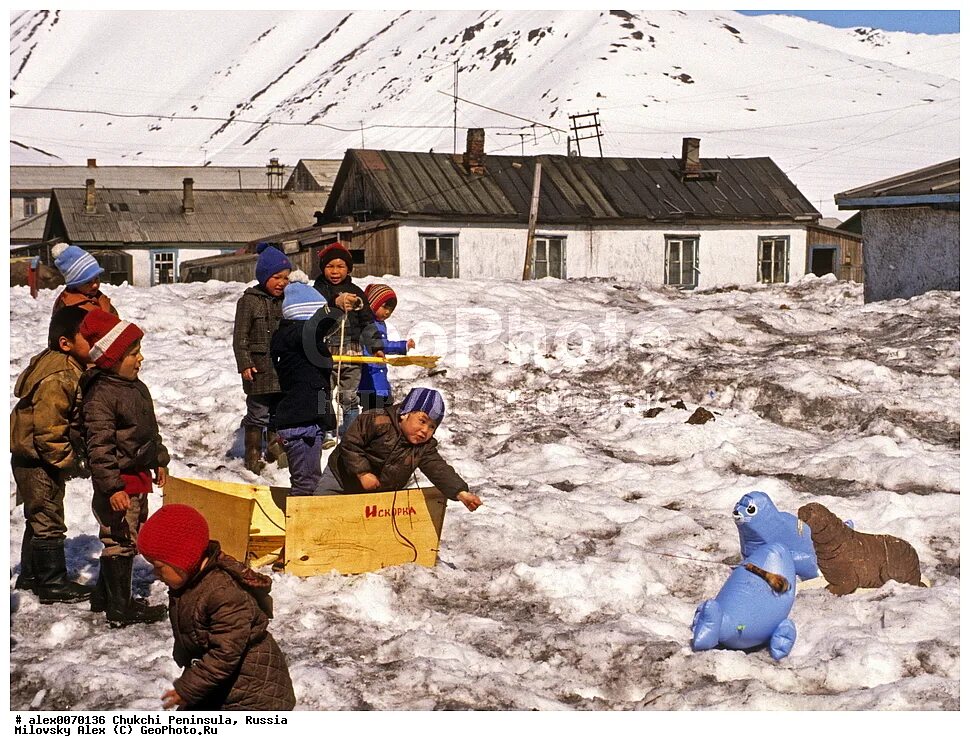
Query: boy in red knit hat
(374,391)
(219,609)
(124,449)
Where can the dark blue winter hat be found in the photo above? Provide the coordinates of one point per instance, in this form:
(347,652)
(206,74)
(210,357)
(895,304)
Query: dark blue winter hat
(428,401)
(300,300)
(75,264)
(271,261)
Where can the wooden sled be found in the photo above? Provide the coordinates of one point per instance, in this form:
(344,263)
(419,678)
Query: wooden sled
(311,535)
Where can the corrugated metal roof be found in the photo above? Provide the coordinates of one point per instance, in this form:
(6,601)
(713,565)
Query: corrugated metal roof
(28,230)
(573,189)
(938,180)
(221,217)
(41,178)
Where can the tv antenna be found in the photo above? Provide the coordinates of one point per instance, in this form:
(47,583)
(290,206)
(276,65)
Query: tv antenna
(591,122)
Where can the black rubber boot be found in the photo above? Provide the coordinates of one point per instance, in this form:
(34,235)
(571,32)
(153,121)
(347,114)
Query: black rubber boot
(274,450)
(26,579)
(50,574)
(253,459)
(99,598)
(121,609)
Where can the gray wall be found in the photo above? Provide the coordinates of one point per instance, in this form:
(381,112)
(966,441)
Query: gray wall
(909,251)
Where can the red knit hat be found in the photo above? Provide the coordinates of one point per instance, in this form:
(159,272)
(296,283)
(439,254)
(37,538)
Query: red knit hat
(109,337)
(175,534)
(336,250)
(378,295)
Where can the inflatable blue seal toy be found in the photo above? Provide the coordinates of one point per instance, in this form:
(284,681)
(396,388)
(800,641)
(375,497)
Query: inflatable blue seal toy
(760,523)
(752,607)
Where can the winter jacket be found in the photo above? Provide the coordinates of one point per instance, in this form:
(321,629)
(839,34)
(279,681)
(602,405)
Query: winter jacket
(229,659)
(359,328)
(258,315)
(120,429)
(374,443)
(373,377)
(305,385)
(45,422)
(70,298)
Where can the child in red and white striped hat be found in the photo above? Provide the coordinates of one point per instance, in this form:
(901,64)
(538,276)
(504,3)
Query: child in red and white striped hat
(124,450)
(374,390)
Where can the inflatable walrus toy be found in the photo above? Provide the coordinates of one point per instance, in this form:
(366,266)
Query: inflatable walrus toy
(849,559)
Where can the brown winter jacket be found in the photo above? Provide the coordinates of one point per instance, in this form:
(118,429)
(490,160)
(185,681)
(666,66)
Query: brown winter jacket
(45,422)
(219,621)
(71,298)
(258,315)
(374,443)
(120,429)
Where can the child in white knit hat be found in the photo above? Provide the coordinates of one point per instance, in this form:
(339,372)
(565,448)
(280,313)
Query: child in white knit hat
(82,279)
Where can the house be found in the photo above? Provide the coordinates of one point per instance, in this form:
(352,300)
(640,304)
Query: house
(688,222)
(31,186)
(159,229)
(911,231)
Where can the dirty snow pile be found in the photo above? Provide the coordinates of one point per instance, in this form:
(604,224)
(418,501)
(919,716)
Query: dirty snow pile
(603,527)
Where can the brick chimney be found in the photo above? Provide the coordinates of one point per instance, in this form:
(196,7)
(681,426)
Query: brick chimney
(690,162)
(188,196)
(92,162)
(89,207)
(474,157)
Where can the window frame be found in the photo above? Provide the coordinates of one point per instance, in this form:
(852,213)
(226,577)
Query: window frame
(423,237)
(695,267)
(30,207)
(153,271)
(762,240)
(545,238)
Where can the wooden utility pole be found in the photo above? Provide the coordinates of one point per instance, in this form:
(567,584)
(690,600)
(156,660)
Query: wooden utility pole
(533,215)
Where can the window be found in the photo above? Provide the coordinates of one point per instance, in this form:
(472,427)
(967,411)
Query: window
(439,255)
(163,267)
(30,207)
(773,259)
(549,257)
(682,266)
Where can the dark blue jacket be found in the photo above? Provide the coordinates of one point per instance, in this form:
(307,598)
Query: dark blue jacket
(373,377)
(358,321)
(303,365)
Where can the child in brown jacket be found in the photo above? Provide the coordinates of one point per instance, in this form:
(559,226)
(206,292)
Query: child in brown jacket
(219,609)
(46,451)
(82,279)
(382,449)
(124,449)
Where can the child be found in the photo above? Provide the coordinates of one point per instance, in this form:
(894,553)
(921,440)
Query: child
(123,447)
(219,609)
(258,313)
(81,278)
(44,432)
(303,365)
(337,286)
(374,391)
(382,449)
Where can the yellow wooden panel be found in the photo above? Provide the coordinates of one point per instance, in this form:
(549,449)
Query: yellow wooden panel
(356,533)
(228,514)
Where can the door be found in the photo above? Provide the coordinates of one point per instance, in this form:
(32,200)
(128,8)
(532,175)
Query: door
(823,259)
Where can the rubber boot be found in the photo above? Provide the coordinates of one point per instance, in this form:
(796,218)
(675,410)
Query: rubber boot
(99,598)
(25,579)
(254,449)
(274,450)
(121,609)
(50,574)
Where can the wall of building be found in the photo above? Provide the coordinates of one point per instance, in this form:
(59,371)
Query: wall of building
(17,206)
(727,255)
(141,263)
(909,251)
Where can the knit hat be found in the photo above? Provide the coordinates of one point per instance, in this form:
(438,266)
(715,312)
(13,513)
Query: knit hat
(109,337)
(378,295)
(300,300)
(75,264)
(176,534)
(336,250)
(271,261)
(428,401)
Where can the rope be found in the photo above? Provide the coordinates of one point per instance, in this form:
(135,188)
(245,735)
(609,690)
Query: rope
(394,526)
(338,409)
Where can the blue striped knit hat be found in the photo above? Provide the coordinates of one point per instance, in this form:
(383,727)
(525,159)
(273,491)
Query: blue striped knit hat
(428,401)
(75,264)
(300,300)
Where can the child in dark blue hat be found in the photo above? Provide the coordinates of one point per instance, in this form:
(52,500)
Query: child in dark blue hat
(258,314)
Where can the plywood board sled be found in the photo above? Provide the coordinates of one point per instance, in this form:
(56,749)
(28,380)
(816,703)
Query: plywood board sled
(317,534)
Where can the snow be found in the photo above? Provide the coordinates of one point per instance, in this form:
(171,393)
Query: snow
(574,586)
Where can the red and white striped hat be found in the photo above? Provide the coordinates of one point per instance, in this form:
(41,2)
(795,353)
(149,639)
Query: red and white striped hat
(109,337)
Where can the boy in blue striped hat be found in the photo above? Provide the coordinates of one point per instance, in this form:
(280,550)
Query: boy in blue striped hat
(303,365)
(82,279)
(382,449)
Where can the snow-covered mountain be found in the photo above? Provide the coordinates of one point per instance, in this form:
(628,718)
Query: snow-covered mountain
(835,108)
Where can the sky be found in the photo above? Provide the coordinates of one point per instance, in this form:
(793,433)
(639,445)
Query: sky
(916,21)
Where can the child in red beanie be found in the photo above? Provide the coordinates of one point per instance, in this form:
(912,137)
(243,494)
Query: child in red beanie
(219,610)
(124,449)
